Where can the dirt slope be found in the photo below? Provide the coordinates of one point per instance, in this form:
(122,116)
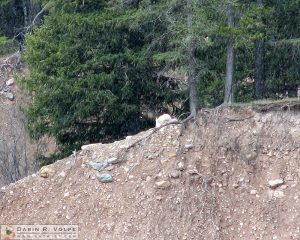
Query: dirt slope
(209,180)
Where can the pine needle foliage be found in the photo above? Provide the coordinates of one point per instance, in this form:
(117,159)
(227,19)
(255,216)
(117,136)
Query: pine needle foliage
(90,74)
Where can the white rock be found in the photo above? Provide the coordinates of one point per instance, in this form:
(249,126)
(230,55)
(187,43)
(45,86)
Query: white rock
(46,172)
(66,194)
(188,146)
(113,160)
(253,192)
(289,177)
(93,177)
(10,82)
(241,180)
(130,177)
(180,166)
(162,184)
(278,194)
(124,146)
(275,183)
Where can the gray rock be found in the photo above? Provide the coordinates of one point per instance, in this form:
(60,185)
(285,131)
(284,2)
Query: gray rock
(105,177)
(96,165)
(175,174)
(113,160)
(275,183)
(9,96)
(10,82)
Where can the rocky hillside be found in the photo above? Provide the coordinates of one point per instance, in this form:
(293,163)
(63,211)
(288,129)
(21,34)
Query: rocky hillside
(18,153)
(234,173)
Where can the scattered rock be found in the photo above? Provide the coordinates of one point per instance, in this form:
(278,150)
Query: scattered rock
(9,96)
(159,198)
(188,146)
(62,174)
(172,155)
(46,172)
(193,171)
(278,194)
(275,183)
(163,184)
(10,82)
(235,185)
(180,166)
(92,177)
(96,165)
(148,178)
(105,177)
(282,187)
(66,194)
(253,192)
(289,177)
(109,168)
(124,146)
(113,160)
(130,177)
(175,174)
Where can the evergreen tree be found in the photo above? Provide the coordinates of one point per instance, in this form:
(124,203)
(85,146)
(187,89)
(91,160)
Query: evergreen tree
(90,76)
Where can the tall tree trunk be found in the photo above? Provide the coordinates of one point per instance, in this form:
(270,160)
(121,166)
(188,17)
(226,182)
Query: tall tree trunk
(193,97)
(228,98)
(259,63)
(25,6)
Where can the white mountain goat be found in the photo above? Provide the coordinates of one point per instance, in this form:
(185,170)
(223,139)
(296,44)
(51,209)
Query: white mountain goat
(164,119)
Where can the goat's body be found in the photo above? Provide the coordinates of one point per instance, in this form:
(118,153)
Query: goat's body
(162,120)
